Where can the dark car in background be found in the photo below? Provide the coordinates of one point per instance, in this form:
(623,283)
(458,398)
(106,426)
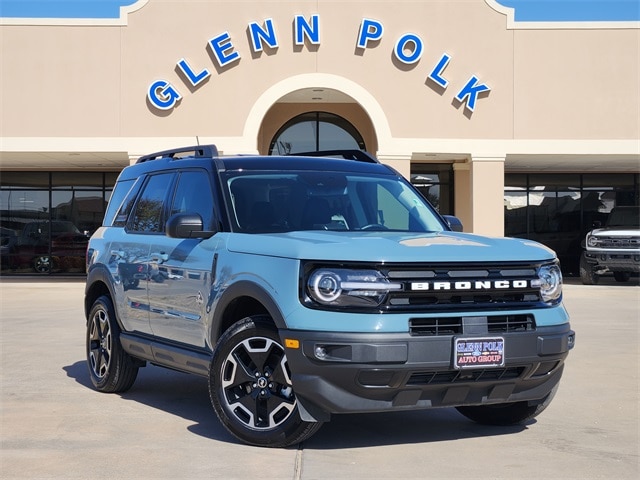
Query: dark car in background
(30,248)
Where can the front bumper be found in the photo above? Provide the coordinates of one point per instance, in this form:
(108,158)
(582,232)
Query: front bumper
(351,373)
(615,261)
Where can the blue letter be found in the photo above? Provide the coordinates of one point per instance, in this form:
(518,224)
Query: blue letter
(221,47)
(194,78)
(163,95)
(369,30)
(403,43)
(258,35)
(436,73)
(303,29)
(470,91)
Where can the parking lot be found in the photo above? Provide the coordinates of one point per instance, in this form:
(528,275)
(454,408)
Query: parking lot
(53,425)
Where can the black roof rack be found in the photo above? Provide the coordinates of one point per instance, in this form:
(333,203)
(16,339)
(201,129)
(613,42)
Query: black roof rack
(357,155)
(203,151)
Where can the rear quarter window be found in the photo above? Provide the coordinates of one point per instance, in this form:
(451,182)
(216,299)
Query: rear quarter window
(123,193)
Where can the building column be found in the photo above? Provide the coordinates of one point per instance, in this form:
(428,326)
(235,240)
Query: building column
(462,202)
(487,196)
(402,163)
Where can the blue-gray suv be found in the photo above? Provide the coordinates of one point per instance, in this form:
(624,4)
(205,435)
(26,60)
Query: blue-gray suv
(306,286)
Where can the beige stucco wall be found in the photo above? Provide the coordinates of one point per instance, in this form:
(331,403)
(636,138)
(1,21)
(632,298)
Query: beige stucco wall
(553,91)
(92,81)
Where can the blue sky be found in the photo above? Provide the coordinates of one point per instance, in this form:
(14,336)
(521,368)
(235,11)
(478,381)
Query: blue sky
(63,8)
(574,10)
(525,10)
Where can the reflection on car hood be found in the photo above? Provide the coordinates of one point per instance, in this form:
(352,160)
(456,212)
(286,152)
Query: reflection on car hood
(389,247)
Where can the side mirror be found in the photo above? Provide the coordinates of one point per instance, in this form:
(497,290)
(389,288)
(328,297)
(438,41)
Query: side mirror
(454,223)
(187,225)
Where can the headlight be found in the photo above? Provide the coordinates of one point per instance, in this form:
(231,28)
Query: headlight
(349,288)
(550,283)
(592,241)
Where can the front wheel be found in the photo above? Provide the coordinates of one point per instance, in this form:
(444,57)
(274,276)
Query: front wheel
(587,272)
(111,368)
(503,414)
(250,386)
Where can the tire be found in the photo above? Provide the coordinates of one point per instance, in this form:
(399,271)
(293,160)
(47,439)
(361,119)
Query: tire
(42,264)
(621,276)
(250,386)
(504,414)
(587,274)
(111,369)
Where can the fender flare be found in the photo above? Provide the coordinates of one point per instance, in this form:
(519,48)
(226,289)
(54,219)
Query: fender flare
(99,274)
(244,288)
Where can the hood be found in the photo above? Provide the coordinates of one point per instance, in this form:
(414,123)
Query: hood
(617,231)
(389,247)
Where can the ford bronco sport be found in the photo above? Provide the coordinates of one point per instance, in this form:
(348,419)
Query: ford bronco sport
(303,287)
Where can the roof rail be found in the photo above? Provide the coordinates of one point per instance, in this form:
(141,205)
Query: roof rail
(357,155)
(204,151)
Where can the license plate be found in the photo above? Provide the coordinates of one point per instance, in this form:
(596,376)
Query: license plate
(478,352)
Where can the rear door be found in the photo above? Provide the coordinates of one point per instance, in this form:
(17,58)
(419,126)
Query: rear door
(129,253)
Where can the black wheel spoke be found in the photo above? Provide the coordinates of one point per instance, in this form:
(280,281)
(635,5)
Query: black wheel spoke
(256,385)
(111,368)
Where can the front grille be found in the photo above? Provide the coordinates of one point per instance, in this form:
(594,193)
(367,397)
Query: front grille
(510,323)
(618,242)
(465,376)
(439,326)
(463,287)
(435,326)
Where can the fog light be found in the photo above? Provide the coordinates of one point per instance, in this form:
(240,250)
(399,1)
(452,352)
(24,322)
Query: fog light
(571,340)
(321,352)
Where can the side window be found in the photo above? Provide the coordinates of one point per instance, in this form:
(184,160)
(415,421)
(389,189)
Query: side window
(121,202)
(193,195)
(147,217)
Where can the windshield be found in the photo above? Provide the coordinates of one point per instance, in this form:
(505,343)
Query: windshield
(284,202)
(624,217)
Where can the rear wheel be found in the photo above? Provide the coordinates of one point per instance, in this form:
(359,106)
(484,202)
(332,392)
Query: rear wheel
(587,273)
(506,413)
(250,386)
(111,368)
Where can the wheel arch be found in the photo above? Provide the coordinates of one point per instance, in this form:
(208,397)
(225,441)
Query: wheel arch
(241,300)
(98,284)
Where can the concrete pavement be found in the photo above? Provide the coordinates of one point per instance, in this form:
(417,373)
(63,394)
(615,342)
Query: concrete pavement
(53,425)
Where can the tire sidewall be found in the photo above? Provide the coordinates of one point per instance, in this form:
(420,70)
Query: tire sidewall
(587,275)
(113,380)
(281,435)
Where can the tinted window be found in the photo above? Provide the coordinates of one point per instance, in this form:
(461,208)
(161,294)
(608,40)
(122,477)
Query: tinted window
(193,195)
(122,201)
(272,202)
(147,216)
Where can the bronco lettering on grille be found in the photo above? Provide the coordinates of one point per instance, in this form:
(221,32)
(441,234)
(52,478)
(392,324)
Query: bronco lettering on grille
(471,285)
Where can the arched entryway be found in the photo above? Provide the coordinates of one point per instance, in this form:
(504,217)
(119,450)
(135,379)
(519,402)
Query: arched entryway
(314,132)
(313,119)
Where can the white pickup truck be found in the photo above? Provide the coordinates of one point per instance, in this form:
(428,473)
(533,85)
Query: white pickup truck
(613,248)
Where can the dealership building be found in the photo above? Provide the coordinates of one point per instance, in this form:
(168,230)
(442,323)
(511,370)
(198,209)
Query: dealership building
(521,117)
